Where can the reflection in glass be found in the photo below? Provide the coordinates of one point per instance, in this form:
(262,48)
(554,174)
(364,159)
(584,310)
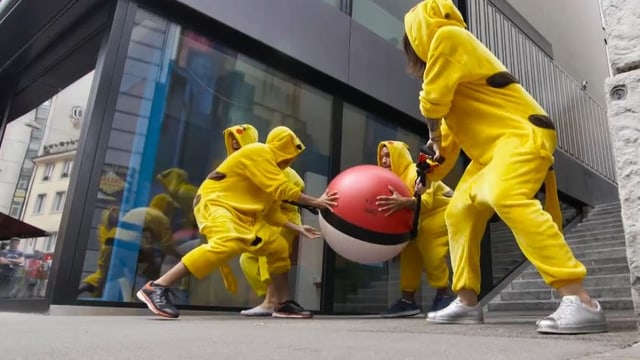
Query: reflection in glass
(179,91)
(383,17)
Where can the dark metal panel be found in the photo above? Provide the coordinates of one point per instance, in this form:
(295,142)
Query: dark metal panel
(17,33)
(64,51)
(309,30)
(76,221)
(582,183)
(379,70)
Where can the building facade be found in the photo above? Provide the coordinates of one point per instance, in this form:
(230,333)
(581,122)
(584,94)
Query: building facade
(167,77)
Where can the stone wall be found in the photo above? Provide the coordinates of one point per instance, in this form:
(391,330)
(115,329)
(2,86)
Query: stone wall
(622,21)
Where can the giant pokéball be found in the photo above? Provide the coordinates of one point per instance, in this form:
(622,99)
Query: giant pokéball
(356,229)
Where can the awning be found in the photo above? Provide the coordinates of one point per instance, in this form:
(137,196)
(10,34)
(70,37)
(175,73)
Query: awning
(12,227)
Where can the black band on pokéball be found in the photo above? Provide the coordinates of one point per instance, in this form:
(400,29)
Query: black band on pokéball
(361,233)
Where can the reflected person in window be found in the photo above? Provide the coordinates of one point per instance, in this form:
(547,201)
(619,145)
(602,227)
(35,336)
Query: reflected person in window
(177,185)
(429,249)
(106,234)
(471,101)
(11,259)
(244,187)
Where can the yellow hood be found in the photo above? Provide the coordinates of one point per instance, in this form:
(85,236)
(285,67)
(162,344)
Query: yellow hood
(423,21)
(245,134)
(399,153)
(284,144)
(401,161)
(173,178)
(164,204)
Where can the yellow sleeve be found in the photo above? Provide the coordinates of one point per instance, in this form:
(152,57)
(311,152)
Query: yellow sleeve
(445,70)
(426,199)
(450,151)
(259,165)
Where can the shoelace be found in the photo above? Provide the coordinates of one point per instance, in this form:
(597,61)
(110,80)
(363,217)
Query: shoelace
(162,296)
(294,305)
(565,308)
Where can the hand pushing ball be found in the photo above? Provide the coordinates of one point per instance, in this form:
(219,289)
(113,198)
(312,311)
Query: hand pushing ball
(356,229)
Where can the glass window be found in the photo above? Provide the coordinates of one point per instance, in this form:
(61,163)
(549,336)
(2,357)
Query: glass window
(38,207)
(179,91)
(51,242)
(334,3)
(58,201)
(48,172)
(15,211)
(383,17)
(66,170)
(29,145)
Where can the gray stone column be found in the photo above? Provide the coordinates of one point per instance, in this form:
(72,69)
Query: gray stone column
(622,28)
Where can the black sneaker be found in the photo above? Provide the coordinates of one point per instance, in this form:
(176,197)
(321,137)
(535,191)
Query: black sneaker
(291,309)
(440,302)
(157,300)
(402,308)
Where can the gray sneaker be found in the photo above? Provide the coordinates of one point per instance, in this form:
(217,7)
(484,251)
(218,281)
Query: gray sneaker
(573,317)
(457,313)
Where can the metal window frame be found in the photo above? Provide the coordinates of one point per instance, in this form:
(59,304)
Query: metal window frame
(77,213)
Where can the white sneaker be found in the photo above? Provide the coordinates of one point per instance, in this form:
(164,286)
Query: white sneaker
(457,313)
(257,311)
(574,317)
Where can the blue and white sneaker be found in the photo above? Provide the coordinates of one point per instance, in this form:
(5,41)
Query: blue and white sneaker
(402,308)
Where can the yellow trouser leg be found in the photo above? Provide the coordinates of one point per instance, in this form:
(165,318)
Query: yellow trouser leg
(254,269)
(410,267)
(433,242)
(466,224)
(508,184)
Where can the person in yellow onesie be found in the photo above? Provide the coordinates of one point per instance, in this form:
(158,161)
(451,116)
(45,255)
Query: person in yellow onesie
(471,102)
(106,234)
(429,249)
(176,184)
(255,268)
(244,187)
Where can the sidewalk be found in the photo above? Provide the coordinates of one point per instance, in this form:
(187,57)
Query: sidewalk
(229,336)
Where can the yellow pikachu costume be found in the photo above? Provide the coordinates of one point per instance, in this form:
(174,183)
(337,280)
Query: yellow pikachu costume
(429,249)
(509,138)
(255,268)
(235,196)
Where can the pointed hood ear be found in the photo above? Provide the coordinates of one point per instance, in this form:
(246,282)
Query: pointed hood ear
(423,21)
(244,134)
(284,143)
